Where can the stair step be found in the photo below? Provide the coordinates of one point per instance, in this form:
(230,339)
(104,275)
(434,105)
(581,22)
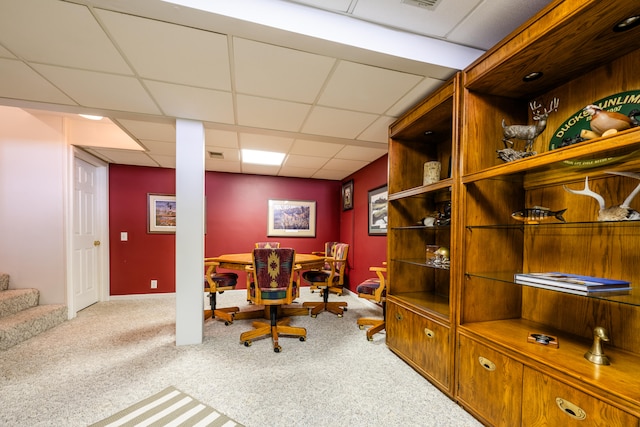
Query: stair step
(14,300)
(28,323)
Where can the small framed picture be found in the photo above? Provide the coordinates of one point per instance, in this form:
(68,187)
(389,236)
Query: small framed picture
(161,216)
(347,195)
(378,211)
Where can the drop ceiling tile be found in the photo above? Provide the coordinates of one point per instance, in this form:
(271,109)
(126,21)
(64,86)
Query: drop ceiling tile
(304,161)
(277,72)
(335,175)
(503,11)
(150,130)
(361,153)
(297,172)
(4,53)
(105,91)
(265,142)
(228,154)
(339,5)
(270,114)
(378,131)
(172,53)
(58,33)
(220,138)
(260,169)
(164,161)
(338,123)
(159,148)
(126,157)
(222,166)
(315,148)
(365,88)
(345,165)
(420,20)
(103,133)
(21,82)
(415,95)
(192,103)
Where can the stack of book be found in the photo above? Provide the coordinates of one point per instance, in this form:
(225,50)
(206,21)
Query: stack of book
(574,284)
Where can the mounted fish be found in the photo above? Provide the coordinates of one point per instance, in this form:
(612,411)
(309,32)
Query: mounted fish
(621,212)
(537,214)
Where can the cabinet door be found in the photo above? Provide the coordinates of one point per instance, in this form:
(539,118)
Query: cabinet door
(422,342)
(489,383)
(547,402)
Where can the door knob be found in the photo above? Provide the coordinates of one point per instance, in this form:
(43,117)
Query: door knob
(96,243)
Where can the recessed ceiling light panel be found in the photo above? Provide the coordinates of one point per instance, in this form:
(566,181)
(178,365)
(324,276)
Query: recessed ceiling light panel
(257,157)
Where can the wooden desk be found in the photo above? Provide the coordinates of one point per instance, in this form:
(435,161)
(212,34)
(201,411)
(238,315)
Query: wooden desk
(239,262)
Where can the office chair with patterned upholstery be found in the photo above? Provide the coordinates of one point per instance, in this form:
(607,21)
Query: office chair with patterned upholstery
(374,289)
(268,245)
(328,252)
(271,283)
(327,281)
(215,282)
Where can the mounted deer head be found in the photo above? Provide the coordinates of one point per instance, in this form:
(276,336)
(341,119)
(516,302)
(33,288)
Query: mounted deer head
(614,213)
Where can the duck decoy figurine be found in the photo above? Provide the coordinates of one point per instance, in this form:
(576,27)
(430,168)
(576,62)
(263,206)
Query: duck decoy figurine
(608,122)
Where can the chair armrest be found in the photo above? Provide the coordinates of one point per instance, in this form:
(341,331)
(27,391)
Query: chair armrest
(318,253)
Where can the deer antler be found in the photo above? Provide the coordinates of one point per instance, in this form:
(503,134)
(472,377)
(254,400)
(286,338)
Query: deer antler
(588,192)
(634,193)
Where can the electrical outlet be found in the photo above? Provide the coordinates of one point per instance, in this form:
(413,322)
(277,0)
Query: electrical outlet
(154,284)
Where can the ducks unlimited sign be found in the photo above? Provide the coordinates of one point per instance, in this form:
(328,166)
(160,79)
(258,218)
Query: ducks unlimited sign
(572,130)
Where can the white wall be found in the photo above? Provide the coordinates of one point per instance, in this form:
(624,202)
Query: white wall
(33,171)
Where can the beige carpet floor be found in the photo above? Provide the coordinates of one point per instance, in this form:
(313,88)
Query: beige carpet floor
(116,353)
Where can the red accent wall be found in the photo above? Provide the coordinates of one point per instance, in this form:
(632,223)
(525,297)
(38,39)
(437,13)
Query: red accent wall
(236,219)
(365,250)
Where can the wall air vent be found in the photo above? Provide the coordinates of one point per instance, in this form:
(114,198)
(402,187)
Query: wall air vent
(214,155)
(424,4)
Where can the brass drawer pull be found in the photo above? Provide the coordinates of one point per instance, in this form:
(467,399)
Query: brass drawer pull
(429,333)
(487,364)
(571,409)
(398,316)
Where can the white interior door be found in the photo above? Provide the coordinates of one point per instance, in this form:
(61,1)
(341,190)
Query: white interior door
(86,244)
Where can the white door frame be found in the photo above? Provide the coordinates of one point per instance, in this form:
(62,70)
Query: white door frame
(102,206)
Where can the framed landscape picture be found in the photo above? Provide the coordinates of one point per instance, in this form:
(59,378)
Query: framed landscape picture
(161,215)
(291,218)
(378,211)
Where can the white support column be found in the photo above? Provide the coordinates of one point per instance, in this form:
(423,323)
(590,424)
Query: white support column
(189,231)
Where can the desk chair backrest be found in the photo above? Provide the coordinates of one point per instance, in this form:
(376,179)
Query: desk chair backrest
(267,245)
(271,276)
(340,252)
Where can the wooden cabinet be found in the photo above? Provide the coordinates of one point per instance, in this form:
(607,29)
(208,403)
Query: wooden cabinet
(423,343)
(419,297)
(491,368)
(583,60)
(489,383)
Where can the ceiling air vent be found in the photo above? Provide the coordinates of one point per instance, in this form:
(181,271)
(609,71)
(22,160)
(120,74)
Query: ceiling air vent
(214,155)
(424,4)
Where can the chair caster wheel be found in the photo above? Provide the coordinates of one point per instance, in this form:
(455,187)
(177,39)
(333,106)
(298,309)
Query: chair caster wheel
(314,315)
(369,338)
(339,315)
(277,349)
(361,327)
(247,343)
(345,309)
(303,338)
(227,323)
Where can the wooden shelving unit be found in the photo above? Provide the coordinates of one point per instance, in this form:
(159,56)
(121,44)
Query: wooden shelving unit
(420,298)
(480,316)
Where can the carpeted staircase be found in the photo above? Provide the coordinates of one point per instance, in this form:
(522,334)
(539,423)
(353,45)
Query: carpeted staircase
(21,317)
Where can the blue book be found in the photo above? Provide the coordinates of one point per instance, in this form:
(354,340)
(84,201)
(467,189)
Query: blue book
(573,281)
